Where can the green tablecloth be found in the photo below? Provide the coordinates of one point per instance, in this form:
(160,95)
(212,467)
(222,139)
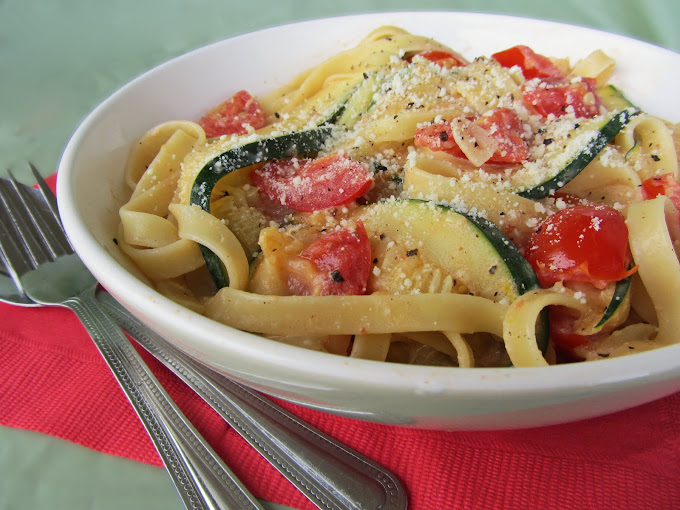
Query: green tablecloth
(60,58)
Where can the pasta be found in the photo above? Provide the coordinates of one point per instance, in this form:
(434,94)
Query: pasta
(400,203)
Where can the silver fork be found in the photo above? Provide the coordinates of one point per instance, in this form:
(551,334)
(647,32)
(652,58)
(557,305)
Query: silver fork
(48,274)
(330,474)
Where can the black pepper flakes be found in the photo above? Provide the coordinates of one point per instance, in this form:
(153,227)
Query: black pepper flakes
(655,157)
(337,277)
(411,253)
(492,269)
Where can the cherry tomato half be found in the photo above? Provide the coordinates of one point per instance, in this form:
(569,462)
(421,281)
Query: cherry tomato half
(233,116)
(438,137)
(343,259)
(313,184)
(443,58)
(557,98)
(506,128)
(662,185)
(583,243)
(562,320)
(532,64)
(502,124)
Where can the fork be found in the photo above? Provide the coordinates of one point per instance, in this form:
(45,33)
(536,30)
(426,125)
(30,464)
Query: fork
(330,474)
(47,273)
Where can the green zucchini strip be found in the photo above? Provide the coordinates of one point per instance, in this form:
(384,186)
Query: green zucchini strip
(285,146)
(590,150)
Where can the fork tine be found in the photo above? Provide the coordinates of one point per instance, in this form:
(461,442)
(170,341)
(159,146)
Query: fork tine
(55,234)
(12,250)
(30,240)
(50,239)
(50,199)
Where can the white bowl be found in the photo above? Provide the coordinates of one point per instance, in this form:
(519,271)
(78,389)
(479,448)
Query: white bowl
(91,189)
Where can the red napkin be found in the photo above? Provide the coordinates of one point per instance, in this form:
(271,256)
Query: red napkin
(52,380)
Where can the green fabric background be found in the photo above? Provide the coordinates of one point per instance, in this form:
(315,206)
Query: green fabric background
(60,58)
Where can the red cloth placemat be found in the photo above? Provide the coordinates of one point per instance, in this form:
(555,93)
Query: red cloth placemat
(52,380)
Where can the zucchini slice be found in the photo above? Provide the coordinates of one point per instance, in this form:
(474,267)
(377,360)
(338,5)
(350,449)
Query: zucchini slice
(621,292)
(344,108)
(613,99)
(468,247)
(241,156)
(578,148)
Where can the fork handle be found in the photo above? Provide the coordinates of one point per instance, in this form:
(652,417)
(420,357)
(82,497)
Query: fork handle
(331,475)
(200,476)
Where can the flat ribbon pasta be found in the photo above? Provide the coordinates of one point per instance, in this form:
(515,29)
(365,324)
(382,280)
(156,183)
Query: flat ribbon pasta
(657,262)
(431,178)
(197,225)
(373,347)
(653,139)
(160,151)
(519,326)
(375,50)
(368,314)
(170,261)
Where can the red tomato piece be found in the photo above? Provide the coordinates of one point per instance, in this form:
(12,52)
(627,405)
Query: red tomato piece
(313,184)
(502,124)
(438,137)
(583,243)
(506,128)
(562,322)
(532,64)
(443,58)
(555,97)
(233,116)
(662,185)
(343,258)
